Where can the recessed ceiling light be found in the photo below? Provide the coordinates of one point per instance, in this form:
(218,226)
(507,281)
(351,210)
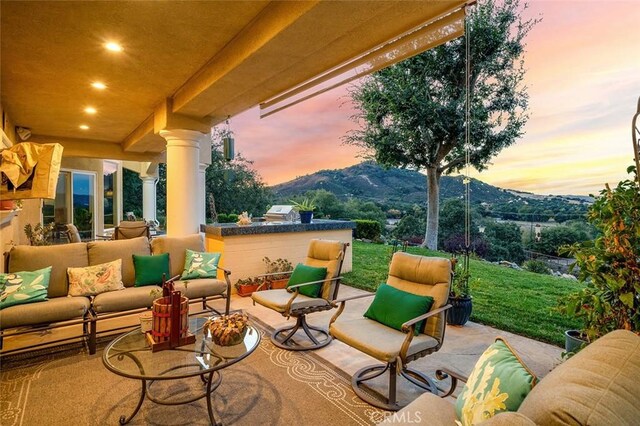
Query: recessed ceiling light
(98,85)
(90,110)
(84,127)
(113,46)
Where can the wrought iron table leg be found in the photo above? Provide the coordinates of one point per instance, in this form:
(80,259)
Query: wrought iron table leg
(143,392)
(209,404)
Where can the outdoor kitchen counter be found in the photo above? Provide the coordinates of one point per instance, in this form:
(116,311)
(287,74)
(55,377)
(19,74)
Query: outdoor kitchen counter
(228,229)
(244,247)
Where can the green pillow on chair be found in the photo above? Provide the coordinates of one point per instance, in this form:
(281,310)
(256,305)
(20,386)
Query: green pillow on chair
(499,382)
(308,274)
(393,307)
(200,265)
(24,287)
(149,269)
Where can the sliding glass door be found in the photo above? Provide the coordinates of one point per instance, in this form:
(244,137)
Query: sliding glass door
(75,203)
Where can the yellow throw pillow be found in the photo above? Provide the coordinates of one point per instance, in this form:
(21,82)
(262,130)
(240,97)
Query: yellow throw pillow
(96,279)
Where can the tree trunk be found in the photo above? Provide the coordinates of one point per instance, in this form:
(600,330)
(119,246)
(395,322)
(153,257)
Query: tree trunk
(433,208)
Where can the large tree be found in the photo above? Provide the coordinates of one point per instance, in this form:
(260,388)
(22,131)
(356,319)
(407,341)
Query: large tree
(412,114)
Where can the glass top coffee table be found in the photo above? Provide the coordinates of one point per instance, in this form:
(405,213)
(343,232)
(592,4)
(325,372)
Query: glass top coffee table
(129,355)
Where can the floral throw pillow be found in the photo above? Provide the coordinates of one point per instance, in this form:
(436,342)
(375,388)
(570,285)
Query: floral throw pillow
(499,382)
(24,287)
(96,279)
(200,265)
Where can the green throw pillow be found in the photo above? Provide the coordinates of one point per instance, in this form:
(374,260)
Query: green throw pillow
(499,382)
(308,274)
(149,269)
(24,287)
(393,307)
(200,265)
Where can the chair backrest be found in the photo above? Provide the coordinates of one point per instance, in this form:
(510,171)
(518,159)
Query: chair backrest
(72,233)
(131,229)
(327,254)
(425,276)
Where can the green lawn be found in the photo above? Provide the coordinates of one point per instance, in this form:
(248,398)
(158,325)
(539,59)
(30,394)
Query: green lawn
(515,301)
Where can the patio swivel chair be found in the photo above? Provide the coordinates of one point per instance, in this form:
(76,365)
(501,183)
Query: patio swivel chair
(290,303)
(419,275)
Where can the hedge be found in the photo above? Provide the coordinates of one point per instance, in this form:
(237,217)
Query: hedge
(367,229)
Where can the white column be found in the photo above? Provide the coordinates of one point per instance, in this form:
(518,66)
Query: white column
(183,146)
(149,197)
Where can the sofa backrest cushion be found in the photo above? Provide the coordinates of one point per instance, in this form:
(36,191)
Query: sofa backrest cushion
(60,257)
(107,251)
(597,386)
(177,249)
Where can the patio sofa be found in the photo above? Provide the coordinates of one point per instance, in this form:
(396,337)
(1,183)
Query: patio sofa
(597,386)
(62,310)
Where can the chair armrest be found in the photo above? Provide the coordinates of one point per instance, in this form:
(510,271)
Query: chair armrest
(406,325)
(293,287)
(359,296)
(343,303)
(273,273)
(227,280)
(444,373)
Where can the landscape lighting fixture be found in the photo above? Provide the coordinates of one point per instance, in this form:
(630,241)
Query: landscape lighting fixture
(98,85)
(84,127)
(90,110)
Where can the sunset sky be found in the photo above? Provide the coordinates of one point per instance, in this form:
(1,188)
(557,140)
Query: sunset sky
(583,76)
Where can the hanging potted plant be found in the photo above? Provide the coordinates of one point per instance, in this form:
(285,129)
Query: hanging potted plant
(278,272)
(305,208)
(459,297)
(609,266)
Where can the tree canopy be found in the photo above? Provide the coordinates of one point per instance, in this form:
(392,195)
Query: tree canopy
(412,114)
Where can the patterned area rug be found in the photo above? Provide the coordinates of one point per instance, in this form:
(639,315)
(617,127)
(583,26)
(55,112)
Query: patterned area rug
(271,386)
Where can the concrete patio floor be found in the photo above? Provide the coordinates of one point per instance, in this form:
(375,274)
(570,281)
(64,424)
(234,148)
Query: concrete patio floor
(461,349)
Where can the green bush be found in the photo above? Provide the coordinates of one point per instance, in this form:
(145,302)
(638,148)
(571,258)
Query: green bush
(367,229)
(537,266)
(227,218)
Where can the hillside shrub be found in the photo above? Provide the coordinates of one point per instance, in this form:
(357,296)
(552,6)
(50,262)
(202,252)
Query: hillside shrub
(537,266)
(609,265)
(367,229)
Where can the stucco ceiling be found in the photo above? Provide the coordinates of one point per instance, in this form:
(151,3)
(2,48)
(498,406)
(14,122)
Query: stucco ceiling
(200,60)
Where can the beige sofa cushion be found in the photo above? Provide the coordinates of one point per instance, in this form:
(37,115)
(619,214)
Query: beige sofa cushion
(600,385)
(52,310)
(427,409)
(107,251)
(177,247)
(61,257)
(124,300)
(201,287)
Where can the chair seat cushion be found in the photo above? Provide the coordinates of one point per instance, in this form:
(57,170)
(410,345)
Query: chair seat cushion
(124,300)
(202,287)
(278,299)
(377,340)
(56,309)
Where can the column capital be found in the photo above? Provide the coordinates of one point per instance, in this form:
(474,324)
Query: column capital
(182,137)
(203,167)
(153,179)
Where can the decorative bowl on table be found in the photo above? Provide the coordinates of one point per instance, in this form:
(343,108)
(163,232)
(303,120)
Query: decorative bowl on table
(227,330)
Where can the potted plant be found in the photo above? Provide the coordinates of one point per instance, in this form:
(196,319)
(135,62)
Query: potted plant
(459,298)
(39,235)
(305,208)
(609,265)
(277,280)
(247,286)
